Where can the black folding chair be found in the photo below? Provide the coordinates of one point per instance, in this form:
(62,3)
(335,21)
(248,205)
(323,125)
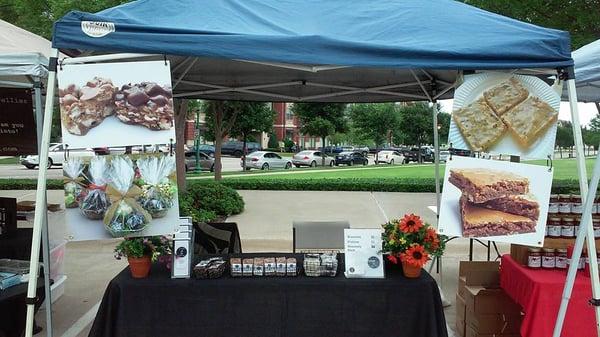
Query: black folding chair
(217,238)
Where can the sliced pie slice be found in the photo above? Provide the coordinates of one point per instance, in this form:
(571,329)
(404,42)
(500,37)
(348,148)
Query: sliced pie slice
(523,205)
(479,125)
(482,222)
(480,185)
(504,96)
(528,120)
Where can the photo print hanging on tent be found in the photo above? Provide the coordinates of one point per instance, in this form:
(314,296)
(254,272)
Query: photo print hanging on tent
(121,196)
(17,126)
(495,200)
(501,113)
(116,104)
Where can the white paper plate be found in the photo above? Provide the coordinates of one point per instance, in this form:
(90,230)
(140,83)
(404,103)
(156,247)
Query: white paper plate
(473,88)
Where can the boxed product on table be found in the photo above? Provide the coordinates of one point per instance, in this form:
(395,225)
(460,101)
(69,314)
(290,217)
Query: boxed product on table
(259,266)
(248,267)
(236,266)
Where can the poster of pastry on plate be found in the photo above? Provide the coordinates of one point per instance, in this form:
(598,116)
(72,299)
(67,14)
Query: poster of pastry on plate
(120,196)
(116,104)
(502,113)
(495,200)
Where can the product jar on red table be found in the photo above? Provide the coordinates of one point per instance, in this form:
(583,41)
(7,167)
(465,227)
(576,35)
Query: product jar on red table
(567,228)
(548,258)
(564,206)
(562,262)
(534,258)
(554,227)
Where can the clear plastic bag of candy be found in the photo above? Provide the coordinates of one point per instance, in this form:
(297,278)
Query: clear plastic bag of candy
(158,192)
(94,201)
(72,169)
(125,215)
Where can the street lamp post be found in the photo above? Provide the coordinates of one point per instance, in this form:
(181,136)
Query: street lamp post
(197,142)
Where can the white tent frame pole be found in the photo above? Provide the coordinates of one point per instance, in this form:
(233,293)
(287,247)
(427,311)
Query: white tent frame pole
(102,58)
(39,117)
(585,227)
(16,84)
(40,196)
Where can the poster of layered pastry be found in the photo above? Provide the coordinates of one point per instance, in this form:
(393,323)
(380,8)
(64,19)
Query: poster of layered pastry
(116,104)
(120,196)
(495,200)
(502,113)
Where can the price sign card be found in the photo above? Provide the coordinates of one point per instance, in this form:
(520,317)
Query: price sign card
(363,258)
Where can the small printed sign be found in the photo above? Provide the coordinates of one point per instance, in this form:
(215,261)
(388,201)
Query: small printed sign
(363,253)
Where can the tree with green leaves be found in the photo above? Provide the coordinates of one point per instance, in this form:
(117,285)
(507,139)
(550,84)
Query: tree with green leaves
(564,135)
(443,126)
(578,17)
(252,117)
(374,121)
(220,118)
(415,125)
(320,119)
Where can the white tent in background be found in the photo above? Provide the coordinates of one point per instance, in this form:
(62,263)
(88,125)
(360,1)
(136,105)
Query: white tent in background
(587,73)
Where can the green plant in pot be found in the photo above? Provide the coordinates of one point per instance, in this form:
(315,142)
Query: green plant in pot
(142,251)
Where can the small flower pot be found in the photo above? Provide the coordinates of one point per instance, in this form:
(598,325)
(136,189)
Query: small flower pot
(411,271)
(139,266)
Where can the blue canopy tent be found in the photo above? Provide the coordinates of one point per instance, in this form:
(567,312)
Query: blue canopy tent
(312,51)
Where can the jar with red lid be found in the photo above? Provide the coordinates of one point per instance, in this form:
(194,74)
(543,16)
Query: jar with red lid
(596,224)
(567,228)
(576,205)
(564,206)
(554,227)
(562,261)
(554,204)
(534,258)
(548,258)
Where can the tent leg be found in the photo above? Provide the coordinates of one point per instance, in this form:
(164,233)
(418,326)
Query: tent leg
(436,147)
(40,197)
(585,227)
(39,116)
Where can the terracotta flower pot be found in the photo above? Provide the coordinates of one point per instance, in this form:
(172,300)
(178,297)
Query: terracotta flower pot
(411,271)
(139,266)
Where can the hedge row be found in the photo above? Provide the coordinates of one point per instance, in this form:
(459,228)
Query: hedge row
(322,184)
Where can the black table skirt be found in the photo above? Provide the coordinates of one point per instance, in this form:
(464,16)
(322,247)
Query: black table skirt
(16,245)
(13,310)
(270,306)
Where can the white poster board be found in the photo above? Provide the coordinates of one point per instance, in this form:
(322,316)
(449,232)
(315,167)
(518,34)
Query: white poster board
(363,253)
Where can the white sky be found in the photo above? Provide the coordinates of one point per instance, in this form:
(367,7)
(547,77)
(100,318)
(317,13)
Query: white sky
(587,111)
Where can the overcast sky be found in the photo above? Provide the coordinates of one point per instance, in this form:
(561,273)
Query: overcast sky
(587,111)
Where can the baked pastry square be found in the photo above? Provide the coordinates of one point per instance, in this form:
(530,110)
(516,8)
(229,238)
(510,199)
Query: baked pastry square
(481,222)
(504,96)
(529,119)
(523,205)
(480,185)
(479,125)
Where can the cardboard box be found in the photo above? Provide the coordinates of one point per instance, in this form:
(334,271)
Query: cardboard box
(461,309)
(473,333)
(478,273)
(494,323)
(480,300)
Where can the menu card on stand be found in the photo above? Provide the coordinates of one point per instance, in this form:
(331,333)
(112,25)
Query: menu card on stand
(183,241)
(363,255)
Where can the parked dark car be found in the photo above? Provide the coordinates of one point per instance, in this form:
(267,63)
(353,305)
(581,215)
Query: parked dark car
(236,148)
(330,149)
(206,149)
(413,155)
(460,152)
(206,162)
(351,158)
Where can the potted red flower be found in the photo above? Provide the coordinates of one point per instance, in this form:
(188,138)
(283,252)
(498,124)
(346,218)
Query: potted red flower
(142,251)
(411,242)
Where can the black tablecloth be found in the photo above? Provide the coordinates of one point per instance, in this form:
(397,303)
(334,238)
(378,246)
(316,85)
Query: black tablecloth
(13,310)
(271,306)
(16,245)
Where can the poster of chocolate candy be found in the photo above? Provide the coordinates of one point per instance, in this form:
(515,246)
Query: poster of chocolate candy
(120,196)
(116,104)
(495,200)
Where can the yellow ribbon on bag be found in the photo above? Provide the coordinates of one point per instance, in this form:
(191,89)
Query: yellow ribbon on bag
(129,198)
(79,180)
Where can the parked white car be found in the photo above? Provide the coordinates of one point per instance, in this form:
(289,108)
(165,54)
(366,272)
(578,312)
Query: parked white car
(389,157)
(56,156)
(444,155)
(264,160)
(312,159)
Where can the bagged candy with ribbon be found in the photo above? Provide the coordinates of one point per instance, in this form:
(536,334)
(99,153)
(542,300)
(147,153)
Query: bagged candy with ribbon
(94,201)
(125,215)
(158,192)
(72,169)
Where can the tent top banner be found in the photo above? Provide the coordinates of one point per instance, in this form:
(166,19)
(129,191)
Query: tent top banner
(393,34)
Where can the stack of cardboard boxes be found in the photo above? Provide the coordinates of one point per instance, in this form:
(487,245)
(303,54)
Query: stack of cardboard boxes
(482,308)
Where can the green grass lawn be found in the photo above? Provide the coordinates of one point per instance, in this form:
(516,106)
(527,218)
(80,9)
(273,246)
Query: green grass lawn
(563,169)
(9,160)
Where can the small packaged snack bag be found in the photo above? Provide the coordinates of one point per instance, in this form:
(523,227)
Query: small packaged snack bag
(158,192)
(270,268)
(94,201)
(236,266)
(248,267)
(72,170)
(281,266)
(292,269)
(259,266)
(124,216)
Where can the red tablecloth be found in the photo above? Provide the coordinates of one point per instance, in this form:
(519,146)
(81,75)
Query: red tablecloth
(539,292)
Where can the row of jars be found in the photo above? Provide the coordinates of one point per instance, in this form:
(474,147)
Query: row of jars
(570,204)
(567,226)
(549,258)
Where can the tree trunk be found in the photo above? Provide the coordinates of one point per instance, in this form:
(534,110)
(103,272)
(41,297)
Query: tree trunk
(419,158)
(244,150)
(218,111)
(180,120)
(323,153)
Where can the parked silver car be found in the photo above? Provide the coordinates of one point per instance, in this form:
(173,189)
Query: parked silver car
(205,162)
(312,159)
(389,157)
(266,160)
